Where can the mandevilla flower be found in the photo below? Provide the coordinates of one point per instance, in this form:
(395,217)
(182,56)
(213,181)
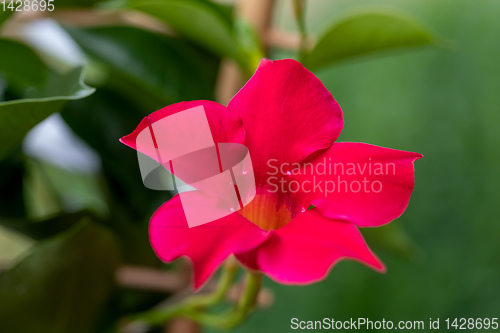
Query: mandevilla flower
(289,122)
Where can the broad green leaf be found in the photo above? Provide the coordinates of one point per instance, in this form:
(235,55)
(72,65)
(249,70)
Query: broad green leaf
(21,65)
(44,228)
(225,10)
(53,189)
(40,196)
(17,117)
(63,285)
(366,32)
(196,20)
(153,69)
(38,101)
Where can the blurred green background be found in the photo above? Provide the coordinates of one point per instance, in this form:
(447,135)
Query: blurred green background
(86,214)
(442,103)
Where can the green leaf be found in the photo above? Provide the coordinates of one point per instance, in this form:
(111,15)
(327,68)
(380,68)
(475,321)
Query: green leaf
(44,228)
(53,189)
(63,286)
(21,65)
(40,100)
(153,69)
(366,32)
(196,20)
(225,10)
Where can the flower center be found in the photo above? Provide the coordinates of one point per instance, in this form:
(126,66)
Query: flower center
(267,211)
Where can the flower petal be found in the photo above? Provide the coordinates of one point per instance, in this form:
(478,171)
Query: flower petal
(364,184)
(306,248)
(207,245)
(225,125)
(287,112)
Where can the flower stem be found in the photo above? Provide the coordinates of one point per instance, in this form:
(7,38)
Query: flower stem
(248,301)
(196,302)
(239,312)
(193,307)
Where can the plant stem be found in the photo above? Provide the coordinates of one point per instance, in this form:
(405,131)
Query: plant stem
(193,307)
(236,315)
(196,302)
(248,301)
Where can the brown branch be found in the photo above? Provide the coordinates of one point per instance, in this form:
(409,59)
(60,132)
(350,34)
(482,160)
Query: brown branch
(259,14)
(182,325)
(150,279)
(286,40)
(177,283)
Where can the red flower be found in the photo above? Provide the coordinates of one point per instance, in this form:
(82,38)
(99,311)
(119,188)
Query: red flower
(289,122)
